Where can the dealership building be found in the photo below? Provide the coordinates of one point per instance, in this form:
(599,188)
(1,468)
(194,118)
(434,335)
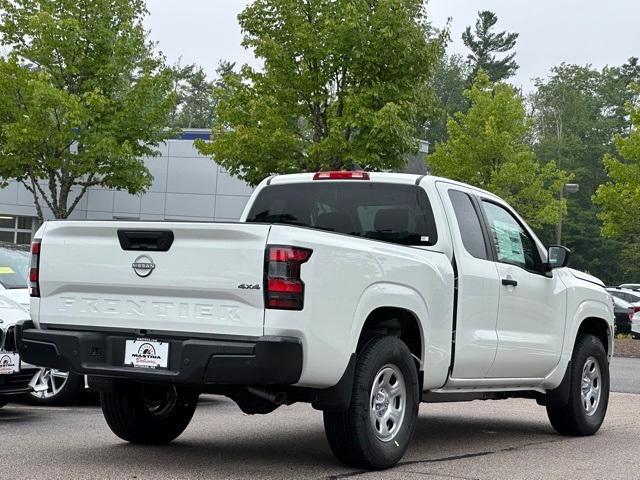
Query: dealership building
(186,187)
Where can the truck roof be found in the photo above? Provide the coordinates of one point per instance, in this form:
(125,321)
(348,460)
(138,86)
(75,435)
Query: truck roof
(387,177)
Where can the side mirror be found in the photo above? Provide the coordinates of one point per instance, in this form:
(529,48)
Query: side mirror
(558,256)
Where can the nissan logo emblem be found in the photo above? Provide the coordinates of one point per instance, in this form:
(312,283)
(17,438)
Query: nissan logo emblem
(143,266)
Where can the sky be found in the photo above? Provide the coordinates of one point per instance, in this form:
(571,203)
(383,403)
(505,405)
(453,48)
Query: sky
(596,32)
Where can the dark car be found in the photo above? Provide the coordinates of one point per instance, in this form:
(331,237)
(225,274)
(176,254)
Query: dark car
(623,312)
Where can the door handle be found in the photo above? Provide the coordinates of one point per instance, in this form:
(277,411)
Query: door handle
(510,282)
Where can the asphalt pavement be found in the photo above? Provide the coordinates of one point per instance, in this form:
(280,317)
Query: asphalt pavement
(508,439)
(625,375)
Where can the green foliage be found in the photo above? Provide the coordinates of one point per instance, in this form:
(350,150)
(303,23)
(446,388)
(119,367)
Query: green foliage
(195,102)
(484,44)
(487,147)
(576,112)
(82,98)
(343,82)
(449,83)
(619,197)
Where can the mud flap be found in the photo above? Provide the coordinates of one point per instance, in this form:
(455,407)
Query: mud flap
(559,396)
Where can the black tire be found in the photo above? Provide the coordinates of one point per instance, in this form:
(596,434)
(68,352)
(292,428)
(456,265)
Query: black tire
(148,415)
(70,392)
(351,434)
(572,419)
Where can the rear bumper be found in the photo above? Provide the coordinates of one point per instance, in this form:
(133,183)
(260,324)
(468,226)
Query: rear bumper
(265,360)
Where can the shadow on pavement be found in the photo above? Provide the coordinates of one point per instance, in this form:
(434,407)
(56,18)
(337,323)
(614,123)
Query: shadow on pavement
(287,452)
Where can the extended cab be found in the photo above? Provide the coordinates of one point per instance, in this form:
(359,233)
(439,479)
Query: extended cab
(362,294)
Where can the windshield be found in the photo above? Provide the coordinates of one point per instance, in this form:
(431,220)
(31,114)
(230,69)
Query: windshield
(14,267)
(380,211)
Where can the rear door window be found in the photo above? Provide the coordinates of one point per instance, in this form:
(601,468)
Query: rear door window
(469,224)
(388,212)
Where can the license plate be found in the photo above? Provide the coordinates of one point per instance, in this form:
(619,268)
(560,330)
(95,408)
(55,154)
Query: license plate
(9,363)
(145,353)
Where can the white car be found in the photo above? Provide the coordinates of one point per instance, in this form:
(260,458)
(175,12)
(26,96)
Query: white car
(16,376)
(635,325)
(361,294)
(50,386)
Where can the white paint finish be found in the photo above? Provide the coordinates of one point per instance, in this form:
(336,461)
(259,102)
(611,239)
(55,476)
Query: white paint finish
(345,279)
(193,288)
(531,324)
(478,301)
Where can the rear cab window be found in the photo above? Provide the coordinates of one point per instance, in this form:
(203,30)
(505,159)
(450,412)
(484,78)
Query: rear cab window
(395,213)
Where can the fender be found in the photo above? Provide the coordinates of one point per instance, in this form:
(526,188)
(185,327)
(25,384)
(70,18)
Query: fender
(435,336)
(586,309)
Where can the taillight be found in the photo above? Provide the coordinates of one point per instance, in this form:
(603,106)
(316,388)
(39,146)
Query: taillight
(284,289)
(342,175)
(34,269)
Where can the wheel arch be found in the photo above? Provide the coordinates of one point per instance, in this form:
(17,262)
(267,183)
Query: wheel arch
(396,321)
(399,310)
(598,327)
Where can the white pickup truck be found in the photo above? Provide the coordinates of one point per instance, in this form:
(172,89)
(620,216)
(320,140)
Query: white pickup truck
(362,294)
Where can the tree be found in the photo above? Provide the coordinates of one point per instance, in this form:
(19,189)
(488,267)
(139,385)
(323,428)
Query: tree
(195,102)
(449,83)
(484,45)
(616,93)
(343,82)
(619,196)
(82,98)
(487,147)
(576,112)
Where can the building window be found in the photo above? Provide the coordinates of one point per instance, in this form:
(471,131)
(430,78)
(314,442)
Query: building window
(16,229)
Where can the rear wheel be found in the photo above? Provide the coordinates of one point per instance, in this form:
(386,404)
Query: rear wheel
(148,414)
(375,431)
(588,390)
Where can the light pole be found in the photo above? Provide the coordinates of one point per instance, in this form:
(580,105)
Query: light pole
(568,188)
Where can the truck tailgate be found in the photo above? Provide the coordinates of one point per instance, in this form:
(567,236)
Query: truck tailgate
(209,280)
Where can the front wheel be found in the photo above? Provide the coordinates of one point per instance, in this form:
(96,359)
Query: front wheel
(588,390)
(147,414)
(375,431)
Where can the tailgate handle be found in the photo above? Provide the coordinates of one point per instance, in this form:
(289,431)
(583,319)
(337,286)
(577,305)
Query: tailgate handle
(146,240)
